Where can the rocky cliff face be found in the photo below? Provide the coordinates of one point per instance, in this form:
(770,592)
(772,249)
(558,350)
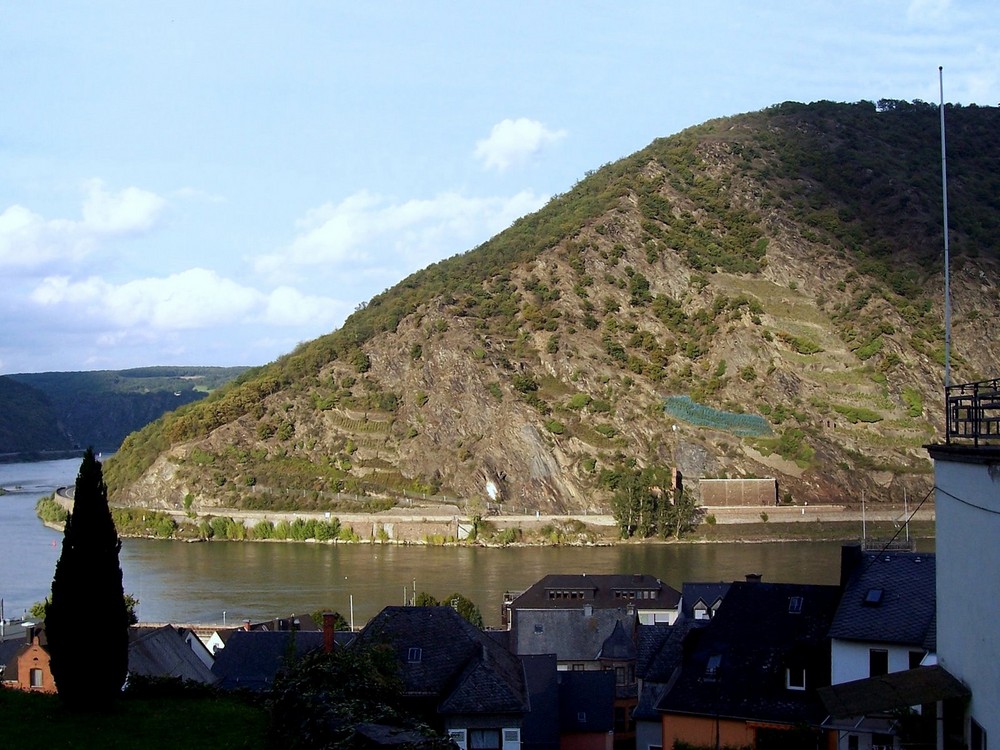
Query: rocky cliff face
(755,297)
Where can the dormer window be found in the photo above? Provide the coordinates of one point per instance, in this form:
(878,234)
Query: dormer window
(795,605)
(414,655)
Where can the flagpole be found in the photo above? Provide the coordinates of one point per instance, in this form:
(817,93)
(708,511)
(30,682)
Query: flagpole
(947,272)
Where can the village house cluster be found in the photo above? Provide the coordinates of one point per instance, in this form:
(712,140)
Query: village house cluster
(902,650)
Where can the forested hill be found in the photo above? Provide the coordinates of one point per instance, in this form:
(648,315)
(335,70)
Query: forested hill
(760,295)
(51,412)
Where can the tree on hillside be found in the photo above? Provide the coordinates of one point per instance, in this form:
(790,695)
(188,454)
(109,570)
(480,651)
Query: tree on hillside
(87,619)
(645,503)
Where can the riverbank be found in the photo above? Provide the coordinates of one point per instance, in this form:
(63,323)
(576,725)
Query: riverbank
(441,525)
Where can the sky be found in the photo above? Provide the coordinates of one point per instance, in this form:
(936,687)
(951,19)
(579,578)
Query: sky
(213,183)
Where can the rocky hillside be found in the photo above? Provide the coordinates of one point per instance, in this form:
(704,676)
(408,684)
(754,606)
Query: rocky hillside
(757,296)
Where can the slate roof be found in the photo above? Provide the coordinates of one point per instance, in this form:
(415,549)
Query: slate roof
(163,652)
(442,656)
(251,659)
(709,593)
(618,646)
(660,655)
(570,634)
(540,727)
(8,659)
(888,692)
(755,637)
(586,701)
(905,611)
(602,591)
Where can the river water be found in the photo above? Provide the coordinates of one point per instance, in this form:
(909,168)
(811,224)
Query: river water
(227,582)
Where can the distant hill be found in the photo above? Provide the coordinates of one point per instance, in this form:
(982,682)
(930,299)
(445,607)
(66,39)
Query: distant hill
(52,412)
(757,296)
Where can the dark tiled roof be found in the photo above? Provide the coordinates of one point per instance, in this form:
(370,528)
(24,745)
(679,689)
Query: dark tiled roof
(755,637)
(8,658)
(901,600)
(442,655)
(251,659)
(162,652)
(586,701)
(709,593)
(601,591)
(570,634)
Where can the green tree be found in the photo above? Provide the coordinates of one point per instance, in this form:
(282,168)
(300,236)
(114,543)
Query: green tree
(462,604)
(89,664)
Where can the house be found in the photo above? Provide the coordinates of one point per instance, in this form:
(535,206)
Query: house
(885,620)
(586,710)
(648,597)
(165,652)
(215,639)
(884,625)
(660,650)
(457,678)
(750,676)
(967,512)
(25,664)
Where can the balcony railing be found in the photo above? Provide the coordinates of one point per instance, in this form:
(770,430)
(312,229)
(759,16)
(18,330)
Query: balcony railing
(973,412)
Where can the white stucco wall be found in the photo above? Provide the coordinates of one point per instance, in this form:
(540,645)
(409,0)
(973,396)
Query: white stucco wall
(849,659)
(967,507)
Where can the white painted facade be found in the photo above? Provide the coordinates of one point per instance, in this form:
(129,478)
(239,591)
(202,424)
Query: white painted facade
(967,507)
(851,660)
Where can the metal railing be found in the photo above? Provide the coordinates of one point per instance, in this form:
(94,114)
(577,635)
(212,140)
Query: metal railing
(973,412)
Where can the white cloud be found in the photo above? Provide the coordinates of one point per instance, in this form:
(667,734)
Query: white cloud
(129,211)
(366,233)
(926,12)
(29,241)
(513,142)
(194,299)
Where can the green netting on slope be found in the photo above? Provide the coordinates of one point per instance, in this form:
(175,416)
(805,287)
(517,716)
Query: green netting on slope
(743,425)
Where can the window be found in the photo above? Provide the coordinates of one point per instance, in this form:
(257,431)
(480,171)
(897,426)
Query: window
(621,719)
(882,741)
(579,667)
(414,655)
(539,628)
(581,717)
(873,598)
(795,678)
(458,737)
(484,739)
(915,658)
(795,605)
(35,676)
(878,662)
(712,667)
(620,675)
(853,742)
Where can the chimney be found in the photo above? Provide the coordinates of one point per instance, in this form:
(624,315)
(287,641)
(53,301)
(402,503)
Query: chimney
(753,577)
(328,631)
(851,558)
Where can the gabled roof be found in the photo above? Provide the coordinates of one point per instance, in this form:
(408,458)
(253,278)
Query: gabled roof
(889,598)
(252,659)
(570,634)
(618,646)
(443,656)
(708,593)
(736,665)
(602,591)
(586,701)
(163,652)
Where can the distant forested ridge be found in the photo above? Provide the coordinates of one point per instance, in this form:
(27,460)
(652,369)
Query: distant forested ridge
(43,414)
(756,296)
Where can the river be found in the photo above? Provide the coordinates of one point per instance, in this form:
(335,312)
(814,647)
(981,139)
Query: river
(227,582)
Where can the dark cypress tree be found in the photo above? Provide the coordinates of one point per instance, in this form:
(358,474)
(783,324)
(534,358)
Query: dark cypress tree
(86,621)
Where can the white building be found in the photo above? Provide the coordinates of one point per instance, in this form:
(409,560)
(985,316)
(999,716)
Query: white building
(967,484)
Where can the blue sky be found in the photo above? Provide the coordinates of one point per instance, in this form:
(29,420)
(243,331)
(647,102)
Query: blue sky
(211,183)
